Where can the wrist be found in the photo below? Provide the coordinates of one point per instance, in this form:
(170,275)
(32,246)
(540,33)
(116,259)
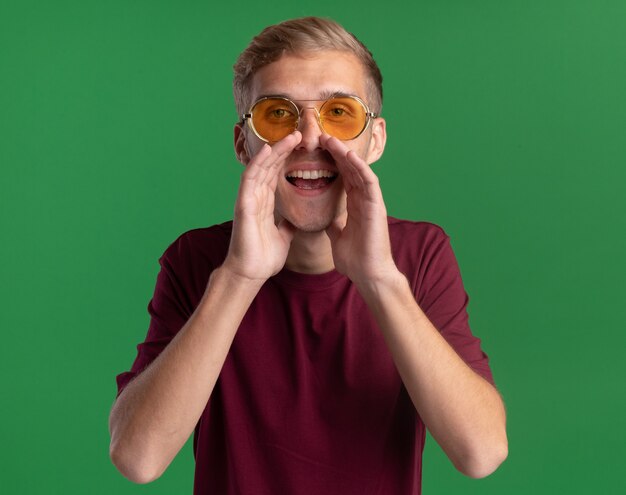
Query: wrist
(387,282)
(237,274)
(227,280)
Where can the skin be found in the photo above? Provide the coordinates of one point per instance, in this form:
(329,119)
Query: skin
(306,78)
(342,227)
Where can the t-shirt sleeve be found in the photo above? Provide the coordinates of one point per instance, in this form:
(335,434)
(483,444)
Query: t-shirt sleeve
(169,310)
(443,299)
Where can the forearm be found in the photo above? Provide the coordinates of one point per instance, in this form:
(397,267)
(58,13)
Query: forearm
(153,417)
(463,412)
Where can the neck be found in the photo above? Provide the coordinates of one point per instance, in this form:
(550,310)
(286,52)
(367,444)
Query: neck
(310,252)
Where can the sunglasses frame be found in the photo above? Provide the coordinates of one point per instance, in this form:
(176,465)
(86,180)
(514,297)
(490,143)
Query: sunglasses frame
(248,116)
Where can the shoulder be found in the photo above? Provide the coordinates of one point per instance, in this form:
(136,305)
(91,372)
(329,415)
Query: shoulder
(418,247)
(207,244)
(414,234)
(188,262)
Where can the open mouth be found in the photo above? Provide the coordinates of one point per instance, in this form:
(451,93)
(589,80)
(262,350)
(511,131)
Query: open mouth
(311,179)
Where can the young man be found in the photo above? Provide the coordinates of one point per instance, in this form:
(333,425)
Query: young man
(310,341)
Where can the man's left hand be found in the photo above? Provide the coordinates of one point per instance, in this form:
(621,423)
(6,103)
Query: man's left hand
(360,244)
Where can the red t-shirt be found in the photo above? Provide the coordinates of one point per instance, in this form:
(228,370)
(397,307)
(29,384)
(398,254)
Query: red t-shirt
(309,400)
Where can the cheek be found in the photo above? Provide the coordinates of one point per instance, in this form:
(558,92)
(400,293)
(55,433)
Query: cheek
(252,144)
(250,148)
(362,145)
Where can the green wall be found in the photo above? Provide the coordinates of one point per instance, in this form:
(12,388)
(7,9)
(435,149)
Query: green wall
(506,125)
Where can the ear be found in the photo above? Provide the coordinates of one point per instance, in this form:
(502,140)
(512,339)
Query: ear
(241,150)
(377,140)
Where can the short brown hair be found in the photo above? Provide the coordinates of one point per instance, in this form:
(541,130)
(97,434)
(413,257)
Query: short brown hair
(306,34)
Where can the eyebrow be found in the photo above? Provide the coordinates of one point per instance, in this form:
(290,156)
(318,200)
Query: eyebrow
(324,95)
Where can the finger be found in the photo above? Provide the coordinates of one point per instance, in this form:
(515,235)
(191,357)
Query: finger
(277,153)
(349,162)
(356,172)
(287,144)
(253,171)
(263,168)
(336,147)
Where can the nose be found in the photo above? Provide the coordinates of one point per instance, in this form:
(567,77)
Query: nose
(310,129)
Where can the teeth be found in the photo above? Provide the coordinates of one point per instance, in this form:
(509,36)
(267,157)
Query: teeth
(311,174)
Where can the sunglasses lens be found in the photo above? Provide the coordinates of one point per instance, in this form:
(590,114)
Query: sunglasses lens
(274,118)
(343,118)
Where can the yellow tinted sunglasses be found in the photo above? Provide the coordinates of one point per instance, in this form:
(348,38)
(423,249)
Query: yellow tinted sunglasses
(274,117)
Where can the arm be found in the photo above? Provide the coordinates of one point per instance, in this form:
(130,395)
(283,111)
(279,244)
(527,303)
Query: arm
(155,414)
(463,411)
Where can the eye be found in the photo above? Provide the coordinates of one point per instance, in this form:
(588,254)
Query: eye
(278,113)
(337,112)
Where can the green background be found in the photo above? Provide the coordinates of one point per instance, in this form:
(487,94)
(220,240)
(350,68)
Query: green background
(506,124)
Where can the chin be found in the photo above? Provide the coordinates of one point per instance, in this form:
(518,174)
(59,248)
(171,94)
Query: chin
(312,224)
(312,217)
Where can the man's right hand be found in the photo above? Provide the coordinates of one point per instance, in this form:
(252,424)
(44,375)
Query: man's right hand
(158,410)
(258,247)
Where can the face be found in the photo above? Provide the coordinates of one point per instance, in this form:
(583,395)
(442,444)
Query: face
(311,204)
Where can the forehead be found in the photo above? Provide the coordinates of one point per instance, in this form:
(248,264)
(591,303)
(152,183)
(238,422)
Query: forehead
(311,76)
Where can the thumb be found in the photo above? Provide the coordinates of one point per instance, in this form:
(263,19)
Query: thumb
(286,230)
(333,231)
